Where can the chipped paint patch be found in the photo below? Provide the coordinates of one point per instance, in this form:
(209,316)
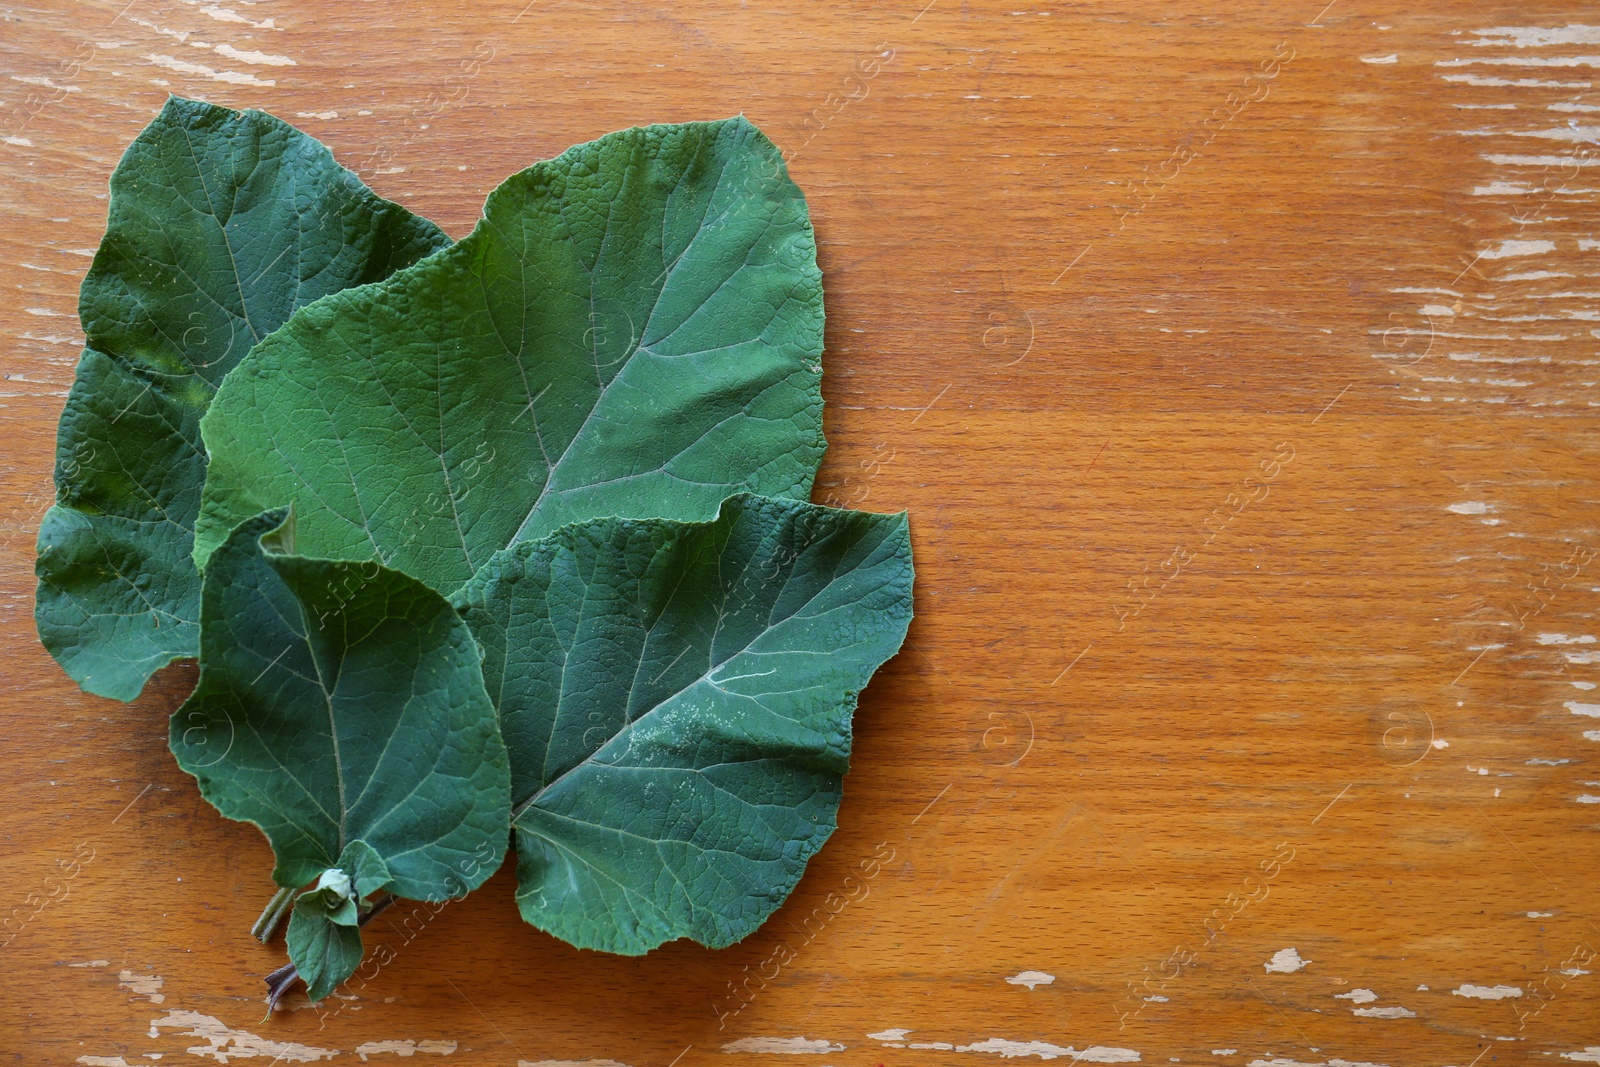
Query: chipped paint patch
(999,1046)
(1282,1062)
(1587,1055)
(1378,61)
(570,1063)
(184,67)
(1487,992)
(258,58)
(224,1042)
(1469,507)
(783,1045)
(146,985)
(1358,996)
(1541,914)
(1591,710)
(889,1035)
(102,1061)
(1512,247)
(1537,36)
(1384,1013)
(1563,639)
(1031,979)
(407,1048)
(1285,961)
(91,963)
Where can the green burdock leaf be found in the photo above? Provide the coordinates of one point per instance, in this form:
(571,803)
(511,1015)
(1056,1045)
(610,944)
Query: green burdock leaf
(221,224)
(676,699)
(324,939)
(634,328)
(341,709)
(324,952)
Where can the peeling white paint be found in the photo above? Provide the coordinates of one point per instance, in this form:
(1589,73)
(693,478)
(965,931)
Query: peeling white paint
(1512,247)
(889,1035)
(91,963)
(1581,657)
(146,985)
(40,80)
(1031,979)
(1590,710)
(103,1061)
(1285,961)
(226,1042)
(1564,639)
(999,1046)
(1537,36)
(570,1063)
(222,14)
(1542,161)
(1587,1055)
(21,142)
(258,58)
(409,1048)
(1439,742)
(184,67)
(1280,1061)
(784,1045)
(1469,507)
(1487,992)
(1384,1013)
(1541,914)
(1358,996)
(1537,762)
(1582,685)
(1592,735)
(1392,57)
(1587,799)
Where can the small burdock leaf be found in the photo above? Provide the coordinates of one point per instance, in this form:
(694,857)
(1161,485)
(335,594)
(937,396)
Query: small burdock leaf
(341,709)
(324,940)
(325,952)
(221,224)
(677,700)
(634,328)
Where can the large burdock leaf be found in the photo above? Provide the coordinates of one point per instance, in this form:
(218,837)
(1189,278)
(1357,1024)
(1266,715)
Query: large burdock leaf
(341,709)
(676,699)
(634,328)
(221,224)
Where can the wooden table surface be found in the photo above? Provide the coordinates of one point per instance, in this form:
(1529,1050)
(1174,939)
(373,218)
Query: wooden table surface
(1247,426)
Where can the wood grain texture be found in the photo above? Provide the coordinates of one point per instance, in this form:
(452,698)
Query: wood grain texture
(1250,457)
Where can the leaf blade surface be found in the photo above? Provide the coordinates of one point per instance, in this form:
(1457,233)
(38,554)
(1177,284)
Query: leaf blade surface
(677,700)
(633,328)
(222,223)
